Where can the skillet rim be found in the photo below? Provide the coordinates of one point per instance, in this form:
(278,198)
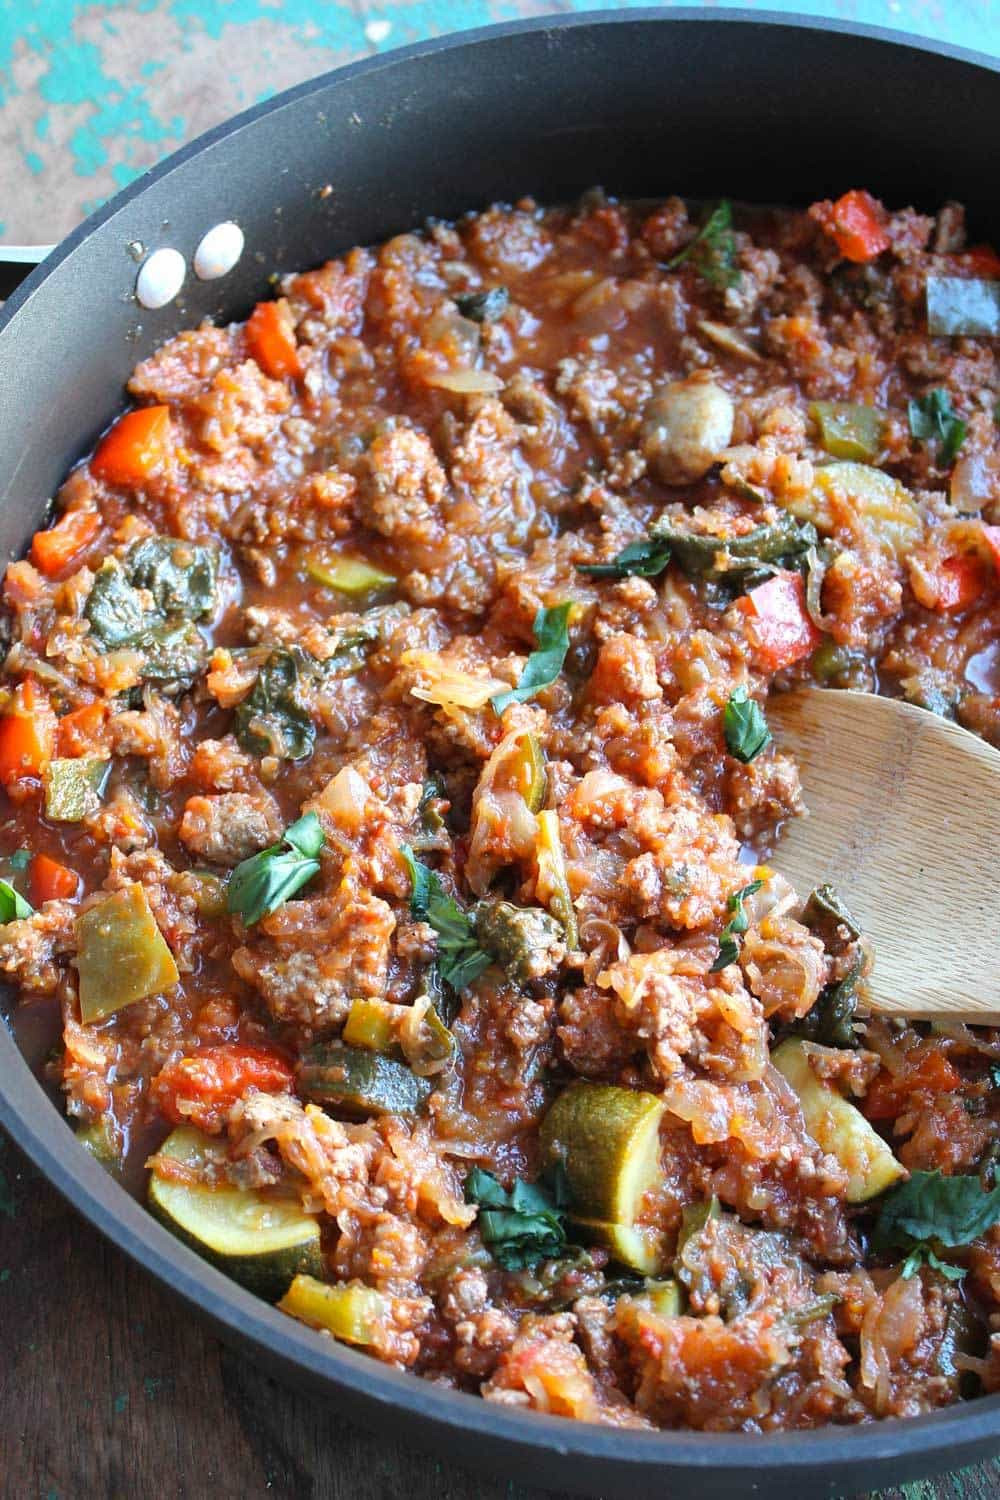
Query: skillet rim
(241,1319)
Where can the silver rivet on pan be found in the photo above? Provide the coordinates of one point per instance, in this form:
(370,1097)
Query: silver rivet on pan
(160,278)
(218,251)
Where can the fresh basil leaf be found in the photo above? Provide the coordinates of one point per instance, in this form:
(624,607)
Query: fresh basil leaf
(551,630)
(933,420)
(645,558)
(519,1228)
(744,727)
(483,307)
(712,252)
(729,948)
(265,881)
(306,835)
(931,1209)
(460,959)
(13,907)
(924,1255)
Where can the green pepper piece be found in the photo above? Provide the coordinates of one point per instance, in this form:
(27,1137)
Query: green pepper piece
(848,430)
(73,788)
(552,876)
(373,1025)
(121,955)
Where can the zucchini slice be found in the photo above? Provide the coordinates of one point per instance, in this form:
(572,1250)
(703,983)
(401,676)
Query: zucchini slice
(639,1249)
(260,1242)
(608,1141)
(361,1082)
(348,1310)
(838,1126)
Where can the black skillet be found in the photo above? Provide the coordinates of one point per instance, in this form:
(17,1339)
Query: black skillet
(698,102)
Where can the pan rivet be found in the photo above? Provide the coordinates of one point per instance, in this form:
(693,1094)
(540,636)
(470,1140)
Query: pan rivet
(218,251)
(160,278)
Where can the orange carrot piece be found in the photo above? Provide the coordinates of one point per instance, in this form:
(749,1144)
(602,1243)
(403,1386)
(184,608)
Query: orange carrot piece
(52,551)
(27,735)
(81,731)
(271,340)
(856,224)
(136,447)
(48,880)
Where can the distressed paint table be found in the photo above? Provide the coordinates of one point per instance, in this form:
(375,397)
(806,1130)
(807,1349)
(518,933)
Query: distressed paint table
(108,1391)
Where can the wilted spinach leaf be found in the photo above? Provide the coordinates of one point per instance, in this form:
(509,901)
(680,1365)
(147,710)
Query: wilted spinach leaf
(183,577)
(274,717)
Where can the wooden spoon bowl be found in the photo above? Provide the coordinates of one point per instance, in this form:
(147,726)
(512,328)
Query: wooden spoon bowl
(904,819)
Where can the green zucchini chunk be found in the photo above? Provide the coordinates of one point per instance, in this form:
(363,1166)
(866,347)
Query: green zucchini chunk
(361,1082)
(260,1242)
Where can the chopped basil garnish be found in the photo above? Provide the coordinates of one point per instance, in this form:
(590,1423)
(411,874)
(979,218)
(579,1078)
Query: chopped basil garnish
(729,947)
(483,307)
(13,907)
(923,1255)
(645,558)
(551,628)
(745,727)
(460,958)
(931,1211)
(932,419)
(20,859)
(712,252)
(267,880)
(519,1228)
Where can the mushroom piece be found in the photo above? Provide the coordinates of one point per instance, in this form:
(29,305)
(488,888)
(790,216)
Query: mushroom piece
(685,427)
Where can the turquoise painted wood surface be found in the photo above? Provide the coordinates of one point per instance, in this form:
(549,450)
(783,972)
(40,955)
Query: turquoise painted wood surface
(92,93)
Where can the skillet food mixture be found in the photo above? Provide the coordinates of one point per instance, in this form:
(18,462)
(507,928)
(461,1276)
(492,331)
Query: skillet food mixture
(390,804)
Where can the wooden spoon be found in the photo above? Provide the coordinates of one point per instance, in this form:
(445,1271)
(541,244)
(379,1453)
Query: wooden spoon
(904,819)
